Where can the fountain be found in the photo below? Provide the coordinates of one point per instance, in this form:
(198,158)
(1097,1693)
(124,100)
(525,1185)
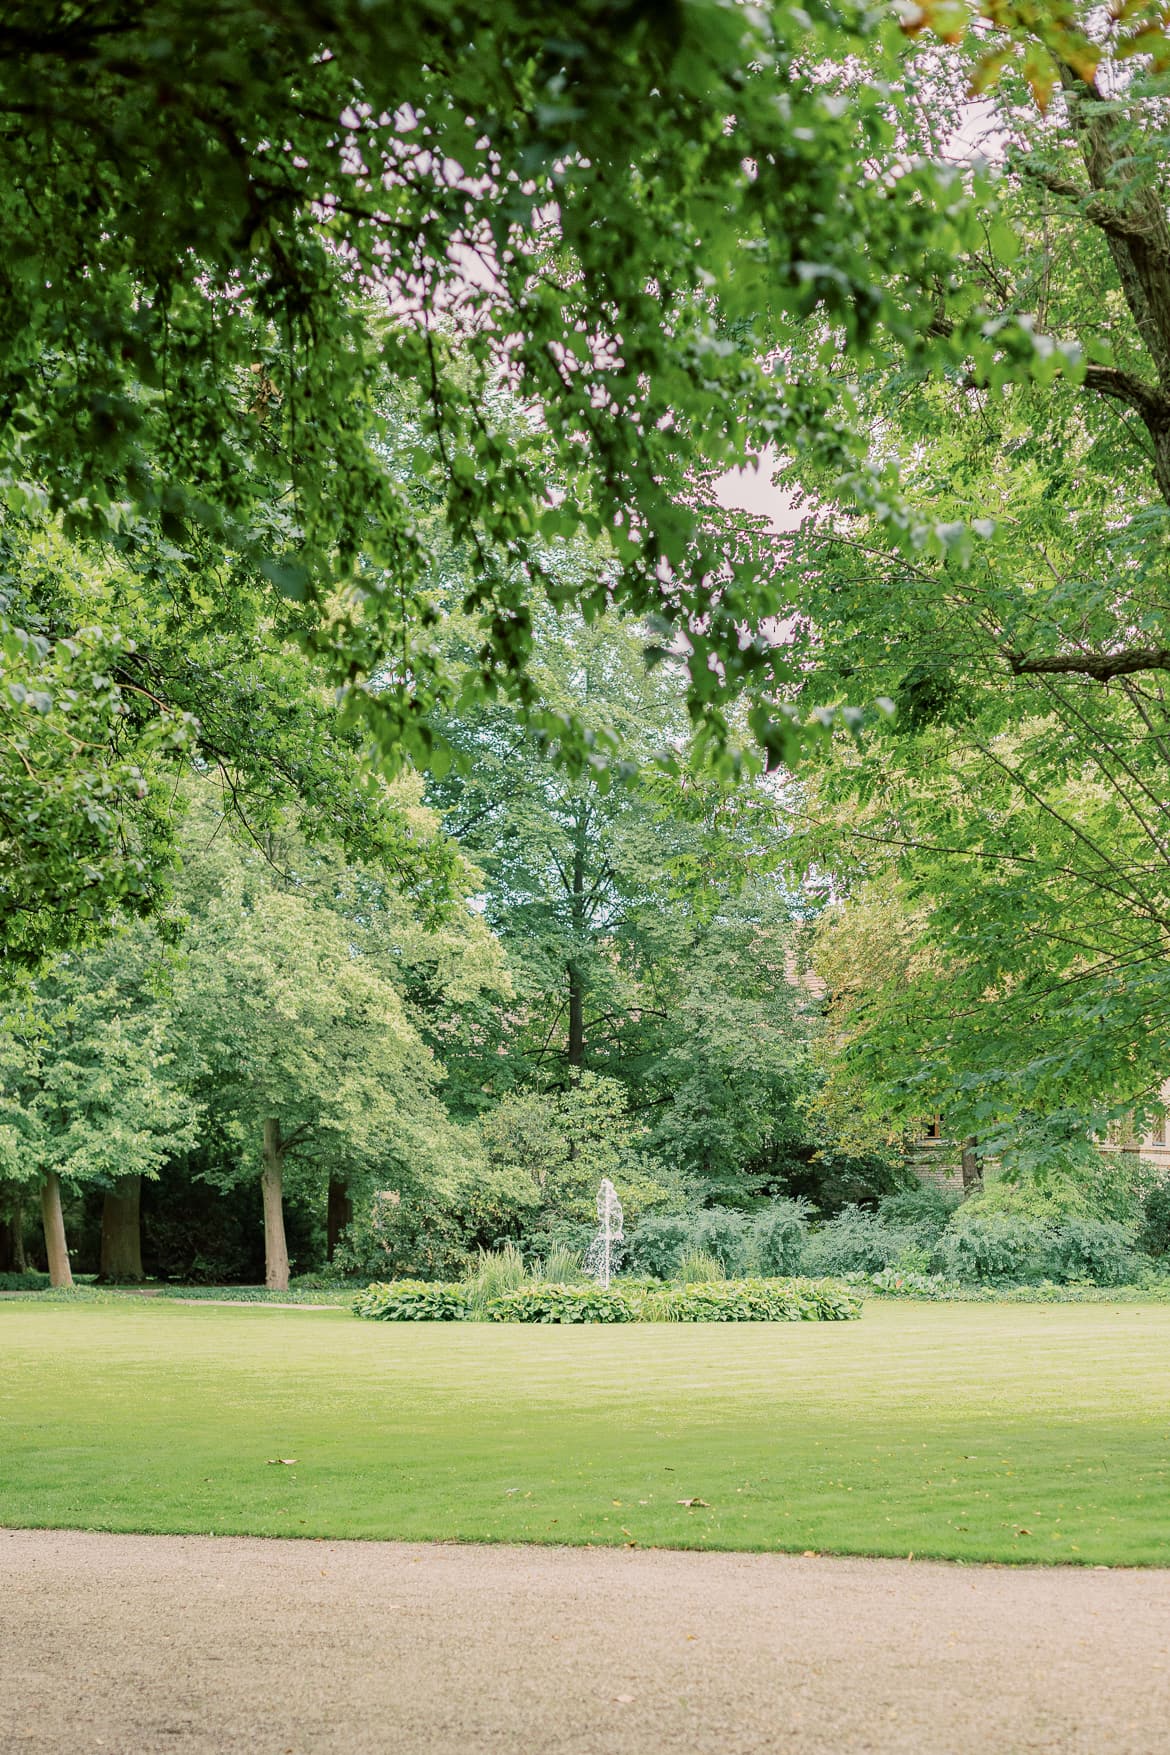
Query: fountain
(604,1253)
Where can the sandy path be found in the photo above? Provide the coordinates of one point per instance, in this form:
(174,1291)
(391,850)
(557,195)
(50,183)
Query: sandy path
(136,1644)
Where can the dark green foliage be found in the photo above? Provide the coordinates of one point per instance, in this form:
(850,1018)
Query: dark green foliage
(778,1237)
(996,1248)
(1100,1250)
(566,1304)
(855,1241)
(757,1300)
(412,1301)
(657,1245)
(1155,1233)
(927,1205)
(24,1282)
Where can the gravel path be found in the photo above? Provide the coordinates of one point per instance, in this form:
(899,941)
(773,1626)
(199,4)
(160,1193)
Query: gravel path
(195,1645)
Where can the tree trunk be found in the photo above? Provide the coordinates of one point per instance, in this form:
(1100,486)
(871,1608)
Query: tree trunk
(576,1018)
(272,1185)
(121,1253)
(338,1214)
(972,1169)
(56,1248)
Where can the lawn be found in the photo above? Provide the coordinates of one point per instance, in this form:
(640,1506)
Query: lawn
(1017,1433)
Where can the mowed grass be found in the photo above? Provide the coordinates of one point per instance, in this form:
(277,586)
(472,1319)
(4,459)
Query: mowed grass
(1020,1433)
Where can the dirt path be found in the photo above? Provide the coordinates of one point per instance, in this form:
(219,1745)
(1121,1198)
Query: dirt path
(137,1644)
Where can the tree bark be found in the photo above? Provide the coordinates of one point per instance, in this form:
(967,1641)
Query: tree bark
(576,1055)
(56,1248)
(338,1214)
(121,1252)
(272,1187)
(972,1168)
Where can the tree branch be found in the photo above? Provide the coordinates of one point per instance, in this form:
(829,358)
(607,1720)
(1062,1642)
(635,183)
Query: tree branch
(1101,666)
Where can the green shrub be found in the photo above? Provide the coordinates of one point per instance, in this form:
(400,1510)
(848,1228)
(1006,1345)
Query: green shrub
(1155,1233)
(927,1208)
(491,1272)
(413,1301)
(697,1268)
(24,1282)
(778,1236)
(1098,1250)
(755,1300)
(562,1266)
(727,1236)
(589,1303)
(656,1246)
(994,1247)
(855,1242)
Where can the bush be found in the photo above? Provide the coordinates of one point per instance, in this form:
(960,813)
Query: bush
(992,1247)
(699,1269)
(1155,1234)
(657,1246)
(562,1266)
(755,1300)
(1099,1250)
(726,1235)
(778,1236)
(855,1242)
(23,1282)
(413,1301)
(538,1303)
(493,1272)
(926,1209)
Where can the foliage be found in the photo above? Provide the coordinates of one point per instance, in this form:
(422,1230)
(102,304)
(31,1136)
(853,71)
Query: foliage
(1155,1234)
(996,1248)
(855,1241)
(558,1304)
(490,1274)
(756,1300)
(778,1235)
(561,1265)
(658,1244)
(697,1268)
(413,1301)
(23,1282)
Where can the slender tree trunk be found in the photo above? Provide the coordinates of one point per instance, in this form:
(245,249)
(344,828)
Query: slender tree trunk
(576,1017)
(338,1214)
(576,1054)
(272,1186)
(972,1169)
(121,1253)
(56,1248)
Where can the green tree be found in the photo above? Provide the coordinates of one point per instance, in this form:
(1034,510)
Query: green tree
(91,1093)
(303,1051)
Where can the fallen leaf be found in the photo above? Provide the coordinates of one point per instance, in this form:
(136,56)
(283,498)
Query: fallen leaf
(624,1699)
(288,1461)
(691,1503)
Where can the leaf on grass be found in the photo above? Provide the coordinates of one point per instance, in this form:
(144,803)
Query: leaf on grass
(691,1503)
(287,1461)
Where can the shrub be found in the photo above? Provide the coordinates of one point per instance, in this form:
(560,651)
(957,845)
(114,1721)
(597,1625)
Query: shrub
(1155,1235)
(855,1242)
(992,1247)
(540,1303)
(562,1265)
(656,1246)
(412,1301)
(696,1268)
(1100,1250)
(726,1235)
(927,1208)
(755,1300)
(778,1236)
(493,1272)
(23,1282)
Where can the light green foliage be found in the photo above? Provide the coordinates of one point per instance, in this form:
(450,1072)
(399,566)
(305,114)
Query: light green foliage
(490,1273)
(91,1085)
(1007,598)
(697,1268)
(413,1301)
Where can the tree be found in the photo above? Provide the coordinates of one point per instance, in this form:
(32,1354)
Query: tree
(304,1053)
(267,275)
(993,575)
(90,1093)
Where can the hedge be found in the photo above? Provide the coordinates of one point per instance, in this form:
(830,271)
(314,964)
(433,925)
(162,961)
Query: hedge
(750,1300)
